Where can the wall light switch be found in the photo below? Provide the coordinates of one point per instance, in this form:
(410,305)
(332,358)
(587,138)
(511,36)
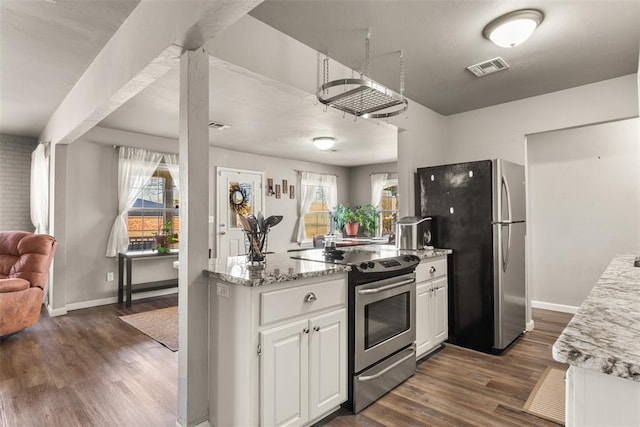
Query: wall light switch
(110,276)
(211,219)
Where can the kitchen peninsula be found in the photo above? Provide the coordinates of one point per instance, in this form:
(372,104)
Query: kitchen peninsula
(602,345)
(279,347)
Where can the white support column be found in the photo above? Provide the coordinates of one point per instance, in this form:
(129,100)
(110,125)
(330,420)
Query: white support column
(57,299)
(193,305)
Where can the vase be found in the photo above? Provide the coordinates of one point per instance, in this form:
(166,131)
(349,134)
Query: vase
(351,229)
(255,247)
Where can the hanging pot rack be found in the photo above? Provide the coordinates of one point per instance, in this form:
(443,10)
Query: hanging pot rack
(361,97)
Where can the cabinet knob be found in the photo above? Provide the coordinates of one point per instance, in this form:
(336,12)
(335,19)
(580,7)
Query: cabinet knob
(316,328)
(432,269)
(305,330)
(222,233)
(310,297)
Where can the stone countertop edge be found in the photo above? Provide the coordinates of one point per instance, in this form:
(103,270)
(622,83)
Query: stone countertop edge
(280,268)
(604,334)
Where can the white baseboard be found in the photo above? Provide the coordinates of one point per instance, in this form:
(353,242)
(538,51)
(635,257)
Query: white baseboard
(530,326)
(554,307)
(113,300)
(56,312)
(204,423)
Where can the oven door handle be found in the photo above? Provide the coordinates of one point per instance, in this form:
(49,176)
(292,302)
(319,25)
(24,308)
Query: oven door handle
(387,369)
(385,288)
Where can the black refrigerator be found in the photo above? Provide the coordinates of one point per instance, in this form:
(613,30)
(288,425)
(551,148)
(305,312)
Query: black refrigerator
(479,209)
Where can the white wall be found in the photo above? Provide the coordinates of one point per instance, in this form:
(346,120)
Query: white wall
(584,206)
(499,131)
(360,181)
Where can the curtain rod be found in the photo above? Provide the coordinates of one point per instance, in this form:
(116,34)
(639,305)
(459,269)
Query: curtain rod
(319,173)
(116,147)
(378,173)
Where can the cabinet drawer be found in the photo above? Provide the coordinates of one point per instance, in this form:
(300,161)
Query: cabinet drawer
(292,302)
(431,269)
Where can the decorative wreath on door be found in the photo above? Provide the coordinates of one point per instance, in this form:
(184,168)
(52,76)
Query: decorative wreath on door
(239,199)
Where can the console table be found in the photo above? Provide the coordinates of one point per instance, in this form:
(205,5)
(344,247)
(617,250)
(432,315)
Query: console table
(124,283)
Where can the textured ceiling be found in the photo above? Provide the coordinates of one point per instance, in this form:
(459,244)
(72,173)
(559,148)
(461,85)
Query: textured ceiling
(45,47)
(579,42)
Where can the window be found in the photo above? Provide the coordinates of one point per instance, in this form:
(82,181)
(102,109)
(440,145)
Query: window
(317,196)
(316,220)
(389,206)
(157,203)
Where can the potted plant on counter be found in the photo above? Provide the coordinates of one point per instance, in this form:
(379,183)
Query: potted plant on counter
(352,220)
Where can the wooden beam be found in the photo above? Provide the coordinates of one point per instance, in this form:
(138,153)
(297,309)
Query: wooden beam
(146,46)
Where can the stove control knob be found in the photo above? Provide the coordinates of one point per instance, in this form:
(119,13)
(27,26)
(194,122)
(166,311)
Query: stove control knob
(371,264)
(363,265)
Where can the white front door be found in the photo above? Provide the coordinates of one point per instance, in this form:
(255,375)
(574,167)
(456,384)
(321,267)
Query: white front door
(229,235)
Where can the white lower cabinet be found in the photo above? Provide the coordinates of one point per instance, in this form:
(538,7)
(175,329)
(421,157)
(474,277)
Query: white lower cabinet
(431,305)
(303,369)
(278,353)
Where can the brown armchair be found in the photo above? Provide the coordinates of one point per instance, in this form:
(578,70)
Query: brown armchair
(25,259)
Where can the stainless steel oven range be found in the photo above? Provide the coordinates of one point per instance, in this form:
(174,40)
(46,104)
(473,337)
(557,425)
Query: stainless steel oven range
(382,310)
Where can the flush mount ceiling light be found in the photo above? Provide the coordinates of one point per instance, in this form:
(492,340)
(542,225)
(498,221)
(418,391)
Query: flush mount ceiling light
(361,97)
(324,143)
(513,28)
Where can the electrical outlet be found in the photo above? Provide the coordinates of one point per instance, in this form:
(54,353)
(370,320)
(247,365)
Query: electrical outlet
(223,290)
(110,276)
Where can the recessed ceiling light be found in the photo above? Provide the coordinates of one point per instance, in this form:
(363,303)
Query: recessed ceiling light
(324,142)
(218,126)
(513,28)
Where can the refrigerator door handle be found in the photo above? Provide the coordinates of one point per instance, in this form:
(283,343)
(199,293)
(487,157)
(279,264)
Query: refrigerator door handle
(505,254)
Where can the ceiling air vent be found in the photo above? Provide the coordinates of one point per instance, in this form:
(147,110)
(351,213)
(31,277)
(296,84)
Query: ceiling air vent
(488,67)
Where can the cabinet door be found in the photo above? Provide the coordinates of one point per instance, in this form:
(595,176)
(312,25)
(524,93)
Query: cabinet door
(440,319)
(284,374)
(327,362)
(424,334)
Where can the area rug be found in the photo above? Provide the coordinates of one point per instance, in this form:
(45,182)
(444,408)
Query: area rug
(547,398)
(161,325)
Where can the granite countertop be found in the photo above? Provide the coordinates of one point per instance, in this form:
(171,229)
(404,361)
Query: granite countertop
(280,267)
(604,335)
(277,269)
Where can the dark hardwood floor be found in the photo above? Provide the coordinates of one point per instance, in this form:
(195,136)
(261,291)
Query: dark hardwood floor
(89,368)
(461,387)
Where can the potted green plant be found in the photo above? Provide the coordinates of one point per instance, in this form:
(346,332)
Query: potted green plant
(369,219)
(352,219)
(166,238)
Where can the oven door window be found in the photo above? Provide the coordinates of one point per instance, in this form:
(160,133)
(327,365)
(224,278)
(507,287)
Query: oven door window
(386,318)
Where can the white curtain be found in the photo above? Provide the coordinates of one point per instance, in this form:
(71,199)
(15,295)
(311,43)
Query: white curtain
(172,160)
(135,168)
(378,181)
(40,190)
(309,181)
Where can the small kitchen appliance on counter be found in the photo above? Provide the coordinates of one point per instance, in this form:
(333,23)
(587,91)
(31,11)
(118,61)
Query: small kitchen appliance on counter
(414,233)
(381,319)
